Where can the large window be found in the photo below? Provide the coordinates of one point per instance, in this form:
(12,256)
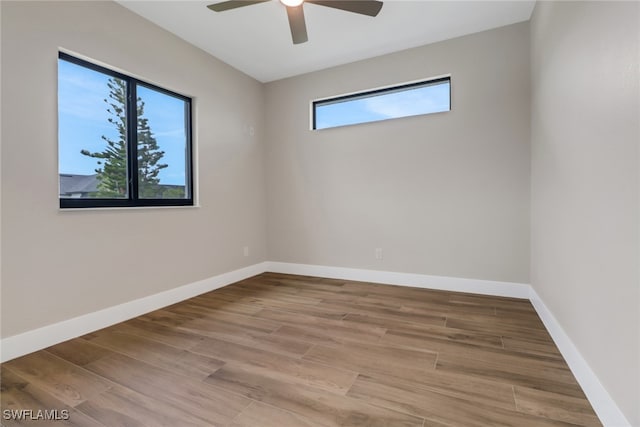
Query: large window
(121,142)
(412,99)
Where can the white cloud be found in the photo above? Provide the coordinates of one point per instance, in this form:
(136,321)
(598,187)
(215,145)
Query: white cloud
(409,103)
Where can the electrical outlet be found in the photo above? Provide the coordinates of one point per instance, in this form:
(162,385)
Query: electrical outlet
(245,250)
(379,253)
(249,130)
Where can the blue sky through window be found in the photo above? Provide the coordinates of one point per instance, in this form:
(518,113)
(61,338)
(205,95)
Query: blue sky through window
(83,120)
(417,100)
(166,118)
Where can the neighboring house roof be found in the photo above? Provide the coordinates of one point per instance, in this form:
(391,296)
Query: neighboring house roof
(73,184)
(85,184)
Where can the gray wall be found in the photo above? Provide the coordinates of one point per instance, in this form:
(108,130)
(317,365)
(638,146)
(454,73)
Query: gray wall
(444,194)
(585,189)
(58,265)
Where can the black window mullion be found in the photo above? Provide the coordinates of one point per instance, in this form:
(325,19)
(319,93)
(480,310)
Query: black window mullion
(132,139)
(188,152)
(374,92)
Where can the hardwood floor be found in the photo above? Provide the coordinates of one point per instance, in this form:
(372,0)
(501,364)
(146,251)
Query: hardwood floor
(280,350)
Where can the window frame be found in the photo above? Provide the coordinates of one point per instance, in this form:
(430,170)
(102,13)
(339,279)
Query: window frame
(370,93)
(133,200)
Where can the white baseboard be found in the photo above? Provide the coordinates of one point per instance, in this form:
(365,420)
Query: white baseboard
(37,339)
(604,406)
(456,284)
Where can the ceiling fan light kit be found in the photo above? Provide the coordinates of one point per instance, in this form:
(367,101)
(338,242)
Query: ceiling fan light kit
(295,11)
(292,3)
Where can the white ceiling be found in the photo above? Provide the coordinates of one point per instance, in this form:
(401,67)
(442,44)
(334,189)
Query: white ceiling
(256,39)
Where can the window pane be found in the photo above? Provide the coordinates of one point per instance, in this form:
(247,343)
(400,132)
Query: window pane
(424,98)
(163,166)
(92,159)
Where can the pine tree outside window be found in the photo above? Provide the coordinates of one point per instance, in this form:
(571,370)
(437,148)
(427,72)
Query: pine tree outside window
(121,142)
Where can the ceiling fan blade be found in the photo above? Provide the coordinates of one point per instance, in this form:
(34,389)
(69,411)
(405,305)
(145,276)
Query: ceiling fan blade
(363,7)
(233,4)
(297,24)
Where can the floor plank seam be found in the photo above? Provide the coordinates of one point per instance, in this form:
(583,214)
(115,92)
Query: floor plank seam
(74,407)
(391,408)
(115,350)
(355,379)
(515,398)
(80,367)
(150,364)
(313,345)
(233,420)
(295,414)
(90,417)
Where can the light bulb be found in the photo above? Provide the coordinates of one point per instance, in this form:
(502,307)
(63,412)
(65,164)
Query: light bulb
(292,3)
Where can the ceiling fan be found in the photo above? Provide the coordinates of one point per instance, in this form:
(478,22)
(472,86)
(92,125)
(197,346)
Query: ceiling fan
(295,12)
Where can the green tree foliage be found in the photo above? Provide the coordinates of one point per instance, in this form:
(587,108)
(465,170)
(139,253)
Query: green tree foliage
(149,155)
(173,192)
(112,161)
(112,172)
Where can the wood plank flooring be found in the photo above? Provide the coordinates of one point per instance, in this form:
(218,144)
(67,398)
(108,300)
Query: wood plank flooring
(282,350)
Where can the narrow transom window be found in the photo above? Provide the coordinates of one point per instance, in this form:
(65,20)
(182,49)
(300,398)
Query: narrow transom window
(410,99)
(121,142)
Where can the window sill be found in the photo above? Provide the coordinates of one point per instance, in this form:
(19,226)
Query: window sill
(126,208)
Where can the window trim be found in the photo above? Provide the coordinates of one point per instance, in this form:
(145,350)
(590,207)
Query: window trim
(374,92)
(133,201)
